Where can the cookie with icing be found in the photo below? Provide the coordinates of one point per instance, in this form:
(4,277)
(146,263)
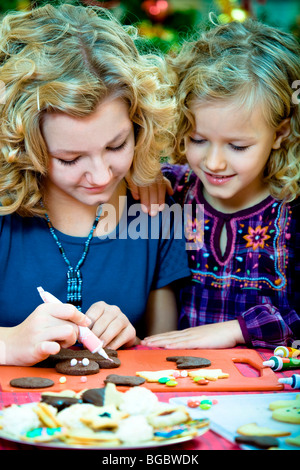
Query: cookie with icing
(287,415)
(80,367)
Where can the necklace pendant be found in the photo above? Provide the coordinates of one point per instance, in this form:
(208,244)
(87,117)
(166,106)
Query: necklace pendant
(74,285)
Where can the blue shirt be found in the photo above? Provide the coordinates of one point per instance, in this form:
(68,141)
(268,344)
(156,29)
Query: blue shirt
(120,269)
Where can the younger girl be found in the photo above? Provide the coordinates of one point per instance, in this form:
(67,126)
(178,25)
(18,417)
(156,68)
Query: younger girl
(238,129)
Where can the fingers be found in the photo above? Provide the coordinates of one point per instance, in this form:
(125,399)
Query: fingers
(152,197)
(111,325)
(69,313)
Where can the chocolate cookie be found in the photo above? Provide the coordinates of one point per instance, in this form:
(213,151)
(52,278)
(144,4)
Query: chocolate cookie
(129,380)
(80,368)
(79,354)
(60,402)
(31,382)
(95,396)
(189,362)
(263,442)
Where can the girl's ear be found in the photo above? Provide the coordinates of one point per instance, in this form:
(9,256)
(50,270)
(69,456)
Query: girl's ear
(281,133)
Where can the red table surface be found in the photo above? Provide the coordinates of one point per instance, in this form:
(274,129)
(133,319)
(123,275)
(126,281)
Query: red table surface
(209,441)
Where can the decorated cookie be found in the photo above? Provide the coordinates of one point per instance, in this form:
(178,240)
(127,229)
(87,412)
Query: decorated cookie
(129,380)
(209,374)
(274,405)
(43,434)
(68,354)
(287,415)
(103,418)
(77,367)
(189,362)
(154,376)
(108,395)
(31,382)
(168,416)
(262,442)
(253,429)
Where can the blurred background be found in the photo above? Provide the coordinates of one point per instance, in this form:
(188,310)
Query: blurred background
(164,23)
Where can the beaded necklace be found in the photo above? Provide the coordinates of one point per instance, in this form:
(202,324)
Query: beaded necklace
(74,276)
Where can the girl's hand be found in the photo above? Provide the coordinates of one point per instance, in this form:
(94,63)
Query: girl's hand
(44,332)
(111,325)
(152,197)
(212,336)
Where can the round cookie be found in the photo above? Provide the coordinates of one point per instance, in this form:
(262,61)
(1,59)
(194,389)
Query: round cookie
(65,368)
(31,382)
(287,415)
(189,362)
(131,381)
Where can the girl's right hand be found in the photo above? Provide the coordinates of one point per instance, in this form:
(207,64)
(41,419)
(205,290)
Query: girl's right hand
(44,332)
(152,197)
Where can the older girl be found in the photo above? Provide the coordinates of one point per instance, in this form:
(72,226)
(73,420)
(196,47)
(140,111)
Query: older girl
(82,110)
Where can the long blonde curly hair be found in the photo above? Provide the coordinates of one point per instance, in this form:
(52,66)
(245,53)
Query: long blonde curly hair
(67,59)
(251,63)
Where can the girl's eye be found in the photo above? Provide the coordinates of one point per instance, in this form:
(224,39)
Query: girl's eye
(69,162)
(197,141)
(118,148)
(238,148)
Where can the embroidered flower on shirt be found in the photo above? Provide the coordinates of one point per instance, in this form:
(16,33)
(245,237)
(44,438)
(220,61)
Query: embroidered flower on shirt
(256,237)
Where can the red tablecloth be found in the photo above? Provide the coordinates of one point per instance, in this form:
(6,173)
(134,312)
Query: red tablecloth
(209,441)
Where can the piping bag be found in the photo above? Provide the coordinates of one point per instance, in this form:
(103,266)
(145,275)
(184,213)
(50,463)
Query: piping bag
(86,336)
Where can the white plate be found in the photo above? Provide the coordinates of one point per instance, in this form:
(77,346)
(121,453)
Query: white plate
(61,445)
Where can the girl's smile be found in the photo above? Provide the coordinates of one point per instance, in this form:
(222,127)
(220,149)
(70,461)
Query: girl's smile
(228,150)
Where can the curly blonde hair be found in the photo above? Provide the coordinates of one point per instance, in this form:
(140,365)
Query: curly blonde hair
(251,63)
(67,59)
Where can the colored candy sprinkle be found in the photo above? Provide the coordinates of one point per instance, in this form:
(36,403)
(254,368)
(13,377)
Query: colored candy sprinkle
(205,406)
(176,374)
(193,403)
(171,383)
(83,379)
(163,380)
(62,380)
(183,373)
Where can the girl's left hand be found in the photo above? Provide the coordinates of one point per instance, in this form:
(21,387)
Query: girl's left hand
(111,325)
(211,336)
(152,197)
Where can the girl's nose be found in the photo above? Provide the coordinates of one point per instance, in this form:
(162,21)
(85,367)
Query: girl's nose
(98,172)
(215,159)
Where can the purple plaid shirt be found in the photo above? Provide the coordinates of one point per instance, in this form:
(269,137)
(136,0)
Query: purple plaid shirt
(256,280)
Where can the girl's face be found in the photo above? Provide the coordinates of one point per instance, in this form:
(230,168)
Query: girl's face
(228,150)
(89,156)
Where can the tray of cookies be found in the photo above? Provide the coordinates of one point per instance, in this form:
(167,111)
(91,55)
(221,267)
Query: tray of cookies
(99,418)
